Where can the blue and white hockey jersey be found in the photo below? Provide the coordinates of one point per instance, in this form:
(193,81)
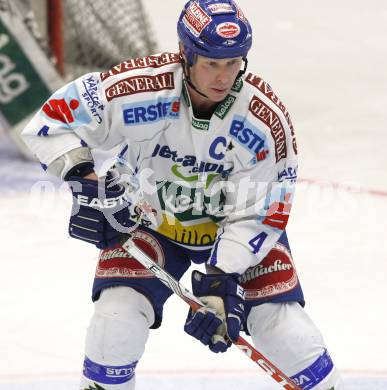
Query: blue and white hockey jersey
(227,182)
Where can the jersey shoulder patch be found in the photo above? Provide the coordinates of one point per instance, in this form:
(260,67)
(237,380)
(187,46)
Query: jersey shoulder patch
(152,61)
(266,106)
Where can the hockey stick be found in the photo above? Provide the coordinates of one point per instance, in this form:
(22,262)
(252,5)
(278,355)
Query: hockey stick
(196,304)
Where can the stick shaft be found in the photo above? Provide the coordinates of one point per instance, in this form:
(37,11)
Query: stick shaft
(196,304)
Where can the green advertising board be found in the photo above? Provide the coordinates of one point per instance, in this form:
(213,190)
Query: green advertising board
(22,90)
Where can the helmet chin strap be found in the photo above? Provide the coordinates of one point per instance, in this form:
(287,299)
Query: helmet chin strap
(242,71)
(187,76)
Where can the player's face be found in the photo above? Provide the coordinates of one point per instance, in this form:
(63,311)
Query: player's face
(215,77)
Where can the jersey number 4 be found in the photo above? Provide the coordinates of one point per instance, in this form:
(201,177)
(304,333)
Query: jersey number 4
(257,242)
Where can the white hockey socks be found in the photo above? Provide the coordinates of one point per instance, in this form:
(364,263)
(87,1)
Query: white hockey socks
(285,334)
(116,339)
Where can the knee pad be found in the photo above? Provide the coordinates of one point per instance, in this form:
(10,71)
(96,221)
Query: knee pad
(286,335)
(116,338)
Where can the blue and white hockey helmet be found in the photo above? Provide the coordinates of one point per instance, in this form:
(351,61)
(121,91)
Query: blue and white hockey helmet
(214,29)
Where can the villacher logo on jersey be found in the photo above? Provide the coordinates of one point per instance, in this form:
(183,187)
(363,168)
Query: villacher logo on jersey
(116,262)
(275,275)
(139,84)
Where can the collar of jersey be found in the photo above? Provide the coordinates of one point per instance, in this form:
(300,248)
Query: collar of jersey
(224,106)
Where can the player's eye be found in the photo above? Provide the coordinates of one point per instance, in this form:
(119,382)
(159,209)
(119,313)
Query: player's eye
(233,62)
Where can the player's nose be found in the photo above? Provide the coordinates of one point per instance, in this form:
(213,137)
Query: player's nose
(223,77)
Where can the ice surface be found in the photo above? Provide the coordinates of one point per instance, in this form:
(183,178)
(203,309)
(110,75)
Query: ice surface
(326,61)
(186,381)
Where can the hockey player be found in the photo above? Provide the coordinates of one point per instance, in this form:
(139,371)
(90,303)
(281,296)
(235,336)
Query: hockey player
(207,169)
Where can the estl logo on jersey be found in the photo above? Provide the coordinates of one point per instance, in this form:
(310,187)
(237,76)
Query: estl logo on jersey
(151,111)
(249,137)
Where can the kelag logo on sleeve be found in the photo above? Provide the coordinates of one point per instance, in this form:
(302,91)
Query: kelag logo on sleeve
(141,113)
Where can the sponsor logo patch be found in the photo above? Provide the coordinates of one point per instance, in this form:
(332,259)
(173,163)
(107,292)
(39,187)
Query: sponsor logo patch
(66,108)
(278,213)
(141,63)
(60,110)
(265,88)
(251,138)
(99,204)
(190,233)
(151,111)
(117,263)
(266,115)
(238,85)
(289,173)
(311,376)
(140,84)
(228,30)
(196,19)
(275,275)
(200,124)
(109,375)
(188,164)
(225,106)
(91,97)
(220,8)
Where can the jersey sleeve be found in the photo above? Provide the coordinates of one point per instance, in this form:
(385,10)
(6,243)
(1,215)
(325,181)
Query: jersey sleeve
(260,190)
(75,116)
